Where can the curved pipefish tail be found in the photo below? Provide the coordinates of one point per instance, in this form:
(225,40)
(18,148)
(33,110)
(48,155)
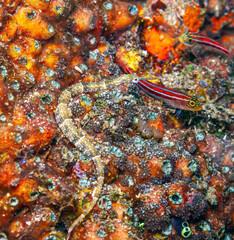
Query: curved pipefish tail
(80,139)
(170,96)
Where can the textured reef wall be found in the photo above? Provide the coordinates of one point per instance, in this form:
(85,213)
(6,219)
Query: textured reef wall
(84,152)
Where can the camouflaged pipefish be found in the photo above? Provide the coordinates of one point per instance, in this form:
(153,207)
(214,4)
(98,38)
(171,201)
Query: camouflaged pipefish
(79,137)
(171,97)
(190,39)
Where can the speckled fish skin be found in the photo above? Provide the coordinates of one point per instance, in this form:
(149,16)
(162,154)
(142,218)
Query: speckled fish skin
(79,137)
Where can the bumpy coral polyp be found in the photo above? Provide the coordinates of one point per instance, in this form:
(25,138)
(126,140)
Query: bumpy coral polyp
(120,16)
(193,18)
(83,20)
(7,141)
(25,188)
(31,45)
(38,4)
(15,50)
(38,129)
(46,134)
(158,127)
(30,23)
(9,29)
(128,59)
(58,9)
(16,228)
(158,43)
(52,54)
(11,5)
(3,93)
(1,15)
(9,172)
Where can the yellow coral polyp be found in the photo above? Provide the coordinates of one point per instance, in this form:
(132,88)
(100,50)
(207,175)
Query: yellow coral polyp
(9,30)
(57,8)
(32,46)
(30,23)
(82,20)
(50,60)
(15,50)
(119,17)
(11,5)
(129,59)
(27,62)
(158,43)
(38,4)
(1,15)
(133,59)
(51,54)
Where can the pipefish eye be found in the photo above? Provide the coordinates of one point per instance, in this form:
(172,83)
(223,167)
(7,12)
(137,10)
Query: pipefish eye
(135,80)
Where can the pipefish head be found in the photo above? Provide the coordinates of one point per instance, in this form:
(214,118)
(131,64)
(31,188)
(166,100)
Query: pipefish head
(186,38)
(136,78)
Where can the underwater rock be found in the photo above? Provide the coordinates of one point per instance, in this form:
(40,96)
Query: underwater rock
(84,153)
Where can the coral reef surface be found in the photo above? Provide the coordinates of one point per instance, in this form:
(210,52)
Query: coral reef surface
(84,152)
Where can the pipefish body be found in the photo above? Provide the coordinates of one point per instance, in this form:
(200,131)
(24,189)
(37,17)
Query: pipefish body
(81,139)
